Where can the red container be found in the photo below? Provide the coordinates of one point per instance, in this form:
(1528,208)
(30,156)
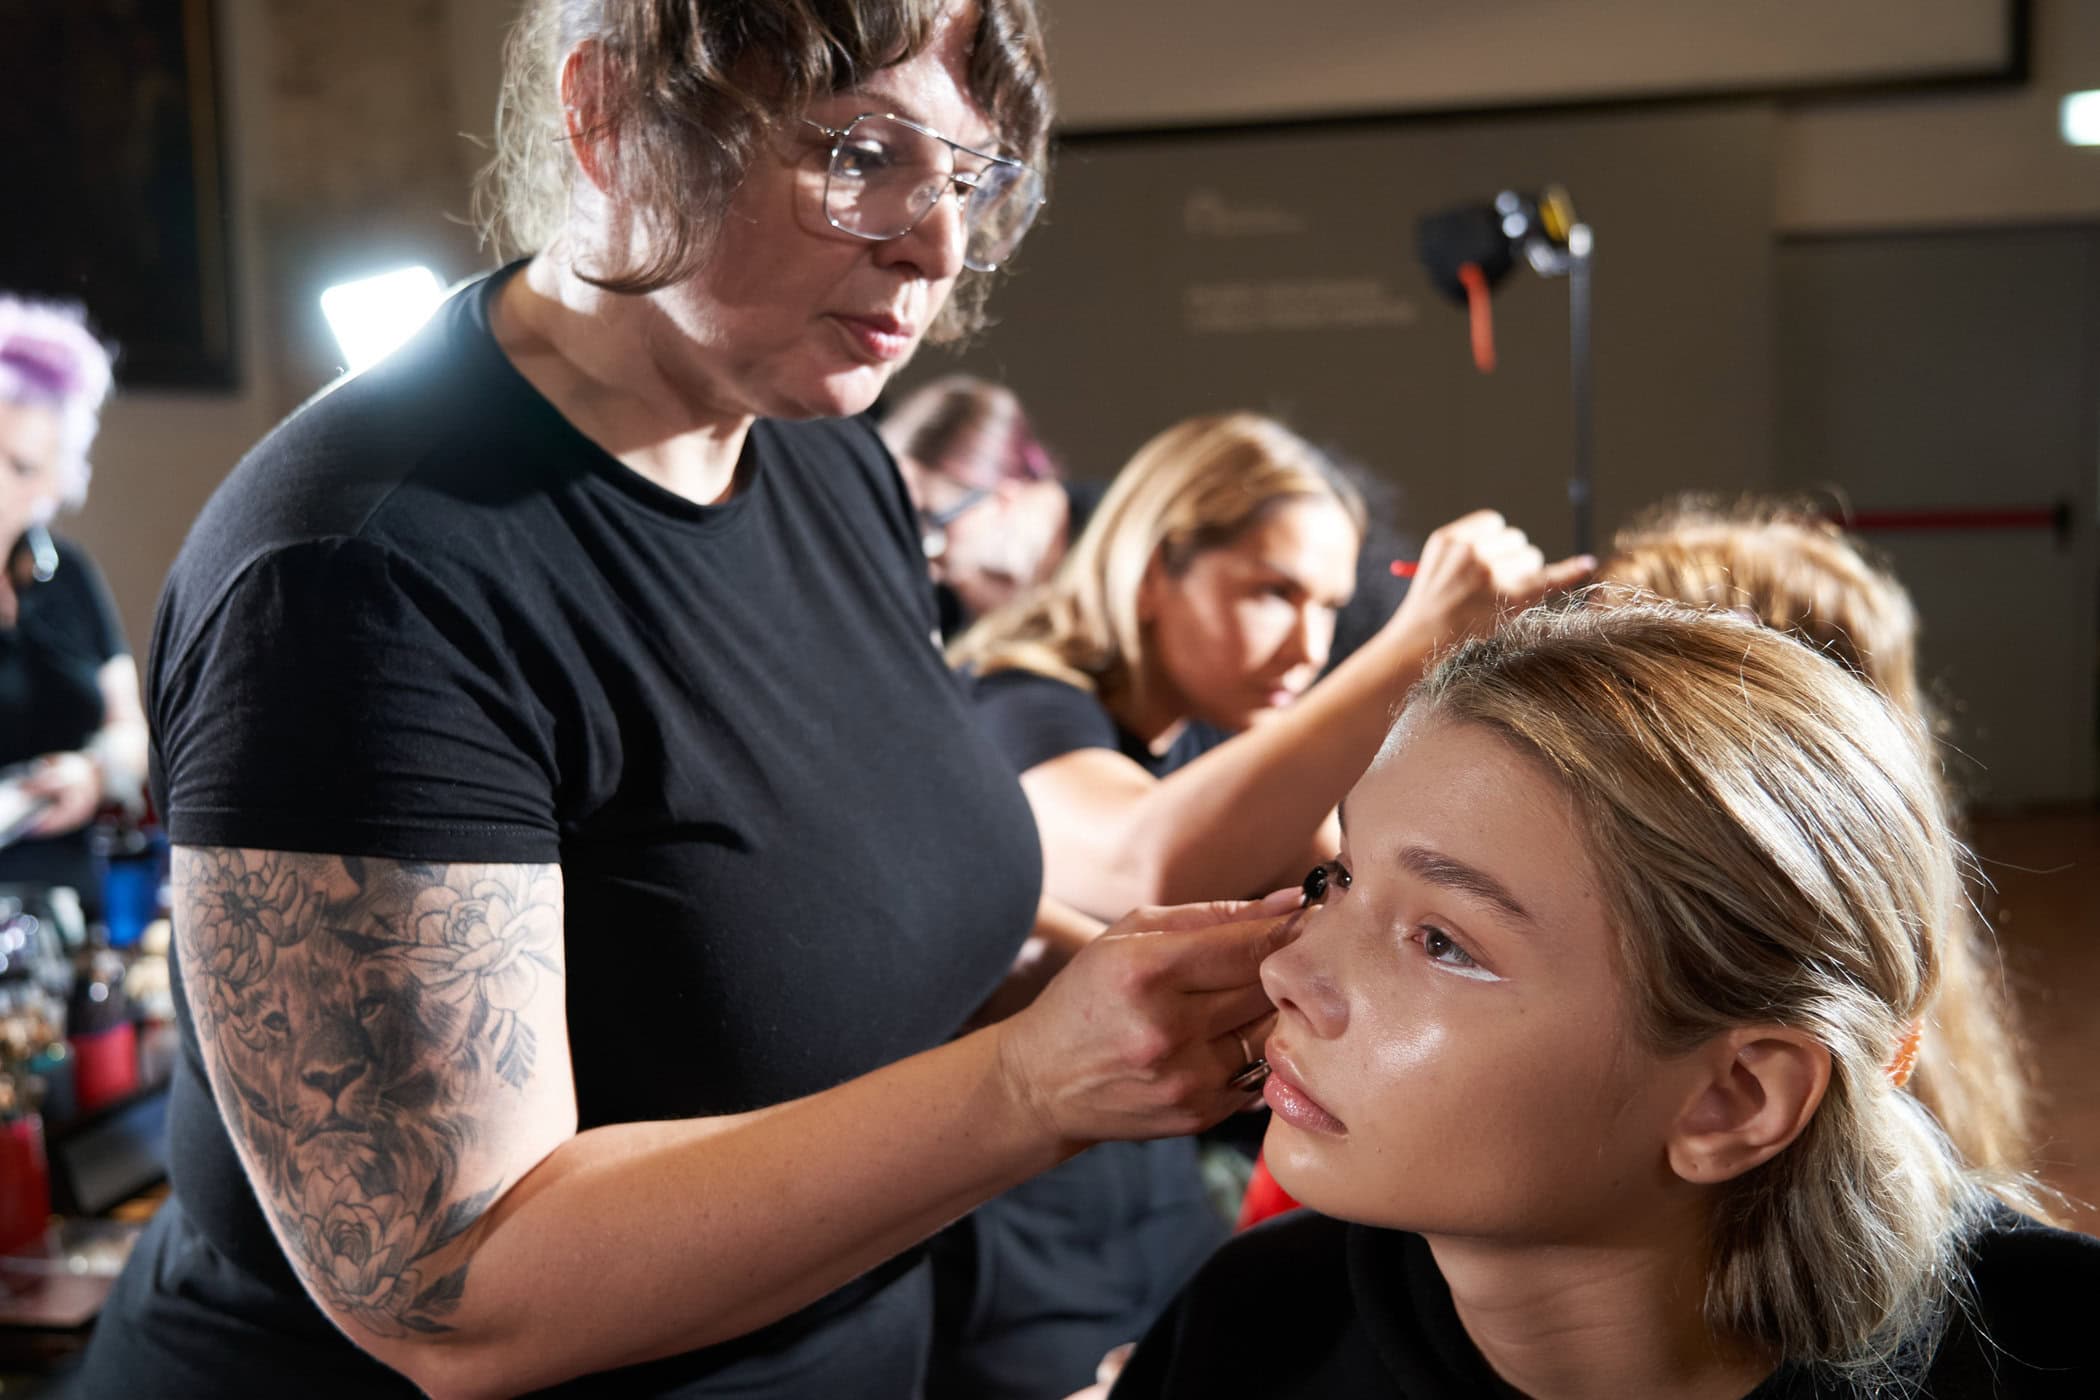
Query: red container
(105,1066)
(25,1184)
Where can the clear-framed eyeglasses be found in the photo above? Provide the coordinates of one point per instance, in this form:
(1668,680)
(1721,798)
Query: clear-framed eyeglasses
(887,173)
(933,524)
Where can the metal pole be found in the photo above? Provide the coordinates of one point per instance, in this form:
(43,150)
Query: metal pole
(1580,246)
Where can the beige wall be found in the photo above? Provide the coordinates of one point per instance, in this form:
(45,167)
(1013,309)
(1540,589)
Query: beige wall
(1985,157)
(1122,64)
(344,135)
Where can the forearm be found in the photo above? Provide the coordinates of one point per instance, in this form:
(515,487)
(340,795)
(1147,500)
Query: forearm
(665,1237)
(118,750)
(387,1042)
(1240,819)
(119,746)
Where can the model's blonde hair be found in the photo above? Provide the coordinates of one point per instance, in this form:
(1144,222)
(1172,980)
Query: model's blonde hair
(1776,852)
(1199,485)
(1799,573)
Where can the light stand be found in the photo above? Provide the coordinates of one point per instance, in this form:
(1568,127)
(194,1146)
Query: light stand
(1469,249)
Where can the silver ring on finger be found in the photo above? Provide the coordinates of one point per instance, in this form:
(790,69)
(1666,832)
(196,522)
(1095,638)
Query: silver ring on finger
(1251,1077)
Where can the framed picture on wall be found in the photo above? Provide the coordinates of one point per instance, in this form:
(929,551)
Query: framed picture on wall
(117,189)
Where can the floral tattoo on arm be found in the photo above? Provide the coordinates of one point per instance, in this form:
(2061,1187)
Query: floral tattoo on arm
(361,1021)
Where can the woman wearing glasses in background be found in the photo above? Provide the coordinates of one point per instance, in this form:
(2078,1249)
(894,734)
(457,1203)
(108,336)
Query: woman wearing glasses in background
(584,861)
(995,509)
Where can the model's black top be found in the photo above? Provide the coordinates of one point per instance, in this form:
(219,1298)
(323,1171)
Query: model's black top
(427,619)
(1309,1308)
(65,631)
(1034,718)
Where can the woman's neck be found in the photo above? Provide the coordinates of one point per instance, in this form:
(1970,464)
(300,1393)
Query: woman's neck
(596,356)
(1625,1317)
(1156,721)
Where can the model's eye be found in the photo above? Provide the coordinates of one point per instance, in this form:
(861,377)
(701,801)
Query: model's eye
(1450,955)
(1440,946)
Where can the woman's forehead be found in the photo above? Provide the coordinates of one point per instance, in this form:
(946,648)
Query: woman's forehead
(932,87)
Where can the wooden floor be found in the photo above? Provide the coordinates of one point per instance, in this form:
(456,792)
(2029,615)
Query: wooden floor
(2046,866)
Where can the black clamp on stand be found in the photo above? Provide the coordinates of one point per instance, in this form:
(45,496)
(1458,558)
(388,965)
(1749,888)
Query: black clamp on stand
(1468,250)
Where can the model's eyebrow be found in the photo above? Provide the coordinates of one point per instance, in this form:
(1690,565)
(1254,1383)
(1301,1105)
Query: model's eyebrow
(1439,869)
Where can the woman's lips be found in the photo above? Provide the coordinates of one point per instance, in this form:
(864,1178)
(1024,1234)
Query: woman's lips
(1285,1094)
(880,339)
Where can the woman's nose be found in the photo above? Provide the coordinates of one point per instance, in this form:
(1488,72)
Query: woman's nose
(1304,647)
(935,245)
(1301,982)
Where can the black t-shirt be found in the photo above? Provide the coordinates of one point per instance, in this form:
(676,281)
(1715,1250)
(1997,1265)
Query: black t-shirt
(427,619)
(65,631)
(1034,718)
(1309,1308)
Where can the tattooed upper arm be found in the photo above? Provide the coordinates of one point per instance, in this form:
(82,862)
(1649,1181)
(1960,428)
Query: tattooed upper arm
(387,1045)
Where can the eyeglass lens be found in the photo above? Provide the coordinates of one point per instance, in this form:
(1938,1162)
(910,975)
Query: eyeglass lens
(886,174)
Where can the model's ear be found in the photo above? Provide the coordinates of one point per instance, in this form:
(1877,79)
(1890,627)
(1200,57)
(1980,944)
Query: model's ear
(1762,1086)
(584,116)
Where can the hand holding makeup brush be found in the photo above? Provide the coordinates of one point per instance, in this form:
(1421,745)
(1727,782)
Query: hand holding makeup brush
(1140,1036)
(1472,572)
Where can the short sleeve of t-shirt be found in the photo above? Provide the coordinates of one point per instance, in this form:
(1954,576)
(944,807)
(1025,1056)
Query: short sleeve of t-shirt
(1033,718)
(337,699)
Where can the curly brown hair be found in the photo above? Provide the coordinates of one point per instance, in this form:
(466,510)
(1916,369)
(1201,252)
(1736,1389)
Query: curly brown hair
(692,88)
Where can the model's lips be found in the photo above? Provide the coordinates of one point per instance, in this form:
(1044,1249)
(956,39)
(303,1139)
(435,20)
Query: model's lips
(1285,1092)
(878,336)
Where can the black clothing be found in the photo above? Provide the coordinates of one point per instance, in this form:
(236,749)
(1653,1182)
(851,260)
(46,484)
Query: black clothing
(1309,1308)
(427,619)
(1082,499)
(1034,718)
(1036,1286)
(66,630)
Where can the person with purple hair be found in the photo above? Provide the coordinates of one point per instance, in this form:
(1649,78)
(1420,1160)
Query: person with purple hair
(72,733)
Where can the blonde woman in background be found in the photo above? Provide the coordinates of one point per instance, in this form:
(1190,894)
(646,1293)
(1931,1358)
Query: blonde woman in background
(1199,603)
(1591,1059)
(1798,573)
